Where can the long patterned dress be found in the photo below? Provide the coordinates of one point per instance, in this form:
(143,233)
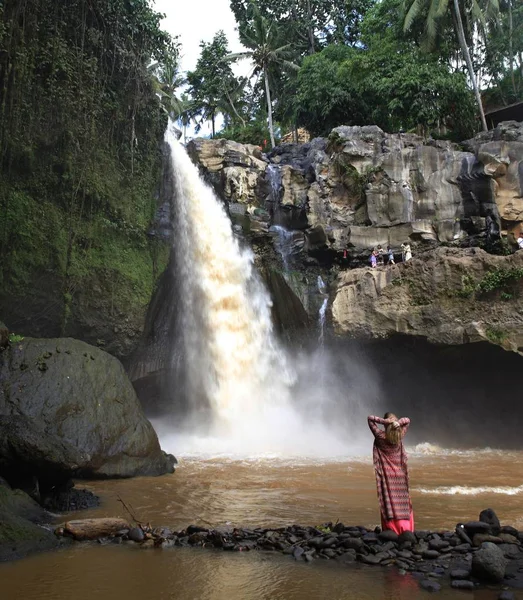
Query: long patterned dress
(392,478)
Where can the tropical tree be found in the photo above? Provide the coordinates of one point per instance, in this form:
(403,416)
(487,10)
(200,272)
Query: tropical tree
(211,81)
(269,54)
(436,11)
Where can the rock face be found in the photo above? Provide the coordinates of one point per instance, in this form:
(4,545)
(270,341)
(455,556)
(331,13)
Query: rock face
(81,401)
(489,563)
(363,187)
(448,295)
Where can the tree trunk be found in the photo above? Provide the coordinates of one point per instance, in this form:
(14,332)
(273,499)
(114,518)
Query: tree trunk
(92,529)
(511,46)
(269,106)
(468,61)
(212,121)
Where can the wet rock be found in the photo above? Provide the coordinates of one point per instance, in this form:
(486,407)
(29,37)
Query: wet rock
(298,552)
(489,516)
(84,401)
(328,543)
(460,574)
(438,544)
(421,534)
(369,559)
(70,500)
(388,536)
(510,550)
(354,544)
(195,529)
(506,595)
(508,538)
(347,557)
(370,538)
(136,534)
(405,554)
(430,554)
(462,584)
(489,563)
(407,537)
(462,534)
(479,538)
(429,585)
(510,530)
(462,548)
(474,527)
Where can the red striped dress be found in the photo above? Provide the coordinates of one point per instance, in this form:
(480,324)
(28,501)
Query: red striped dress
(392,478)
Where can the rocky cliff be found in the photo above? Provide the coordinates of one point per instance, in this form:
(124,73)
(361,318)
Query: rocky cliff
(318,209)
(448,296)
(362,187)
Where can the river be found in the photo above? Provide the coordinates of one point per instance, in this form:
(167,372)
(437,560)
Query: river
(447,487)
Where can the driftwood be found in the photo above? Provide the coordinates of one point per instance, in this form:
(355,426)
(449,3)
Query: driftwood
(93,529)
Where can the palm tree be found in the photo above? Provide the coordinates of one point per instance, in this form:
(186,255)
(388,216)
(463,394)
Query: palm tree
(435,11)
(264,41)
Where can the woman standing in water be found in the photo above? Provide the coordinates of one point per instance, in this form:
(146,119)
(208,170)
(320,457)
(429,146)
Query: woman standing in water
(392,476)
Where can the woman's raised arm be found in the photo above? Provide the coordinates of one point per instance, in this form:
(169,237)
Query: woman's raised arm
(373,424)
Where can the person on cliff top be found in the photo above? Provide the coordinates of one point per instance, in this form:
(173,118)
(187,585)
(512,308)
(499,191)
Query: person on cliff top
(392,475)
(390,255)
(520,240)
(373,259)
(380,255)
(406,251)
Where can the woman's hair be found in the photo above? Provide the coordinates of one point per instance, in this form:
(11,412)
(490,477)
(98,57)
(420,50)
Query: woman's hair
(392,435)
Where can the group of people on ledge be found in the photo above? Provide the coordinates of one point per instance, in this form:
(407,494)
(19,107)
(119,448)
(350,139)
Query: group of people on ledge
(377,257)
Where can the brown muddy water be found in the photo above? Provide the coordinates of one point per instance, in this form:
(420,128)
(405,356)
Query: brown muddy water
(447,487)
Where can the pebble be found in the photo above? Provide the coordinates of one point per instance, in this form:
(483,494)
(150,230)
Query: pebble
(506,595)
(429,585)
(136,534)
(460,574)
(462,584)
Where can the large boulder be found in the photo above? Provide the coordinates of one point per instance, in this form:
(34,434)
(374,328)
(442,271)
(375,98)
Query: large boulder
(489,563)
(82,400)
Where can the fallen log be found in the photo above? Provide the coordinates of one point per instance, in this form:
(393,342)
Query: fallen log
(93,529)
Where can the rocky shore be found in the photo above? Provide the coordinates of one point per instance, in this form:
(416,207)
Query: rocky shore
(476,554)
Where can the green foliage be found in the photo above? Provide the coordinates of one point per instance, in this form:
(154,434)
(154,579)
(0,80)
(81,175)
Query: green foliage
(212,82)
(500,279)
(254,132)
(468,287)
(496,335)
(387,84)
(80,127)
(14,338)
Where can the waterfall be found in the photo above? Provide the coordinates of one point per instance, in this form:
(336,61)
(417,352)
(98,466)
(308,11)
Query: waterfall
(274,176)
(322,288)
(283,242)
(258,398)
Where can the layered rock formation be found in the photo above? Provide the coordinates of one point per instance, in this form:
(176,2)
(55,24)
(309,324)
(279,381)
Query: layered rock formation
(448,296)
(362,187)
(69,409)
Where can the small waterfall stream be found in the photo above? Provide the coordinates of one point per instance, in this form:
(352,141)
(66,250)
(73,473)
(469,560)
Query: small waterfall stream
(322,288)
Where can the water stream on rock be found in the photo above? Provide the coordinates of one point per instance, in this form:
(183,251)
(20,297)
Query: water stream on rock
(236,365)
(322,288)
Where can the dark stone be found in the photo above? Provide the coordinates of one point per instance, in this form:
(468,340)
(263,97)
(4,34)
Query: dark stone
(462,534)
(70,500)
(510,530)
(136,534)
(506,595)
(388,535)
(353,543)
(430,554)
(438,544)
(347,557)
(421,534)
(338,528)
(510,550)
(479,538)
(370,538)
(489,563)
(473,527)
(462,584)
(298,552)
(489,516)
(406,537)
(196,529)
(462,548)
(328,543)
(84,401)
(405,554)
(429,585)
(460,574)
(4,335)
(369,559)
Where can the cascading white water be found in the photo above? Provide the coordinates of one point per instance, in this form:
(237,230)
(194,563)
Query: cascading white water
(283,243)
(260,398)
(322,288)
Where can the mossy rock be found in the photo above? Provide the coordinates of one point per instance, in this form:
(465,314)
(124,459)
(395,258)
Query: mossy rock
(82,397)
(20,532)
